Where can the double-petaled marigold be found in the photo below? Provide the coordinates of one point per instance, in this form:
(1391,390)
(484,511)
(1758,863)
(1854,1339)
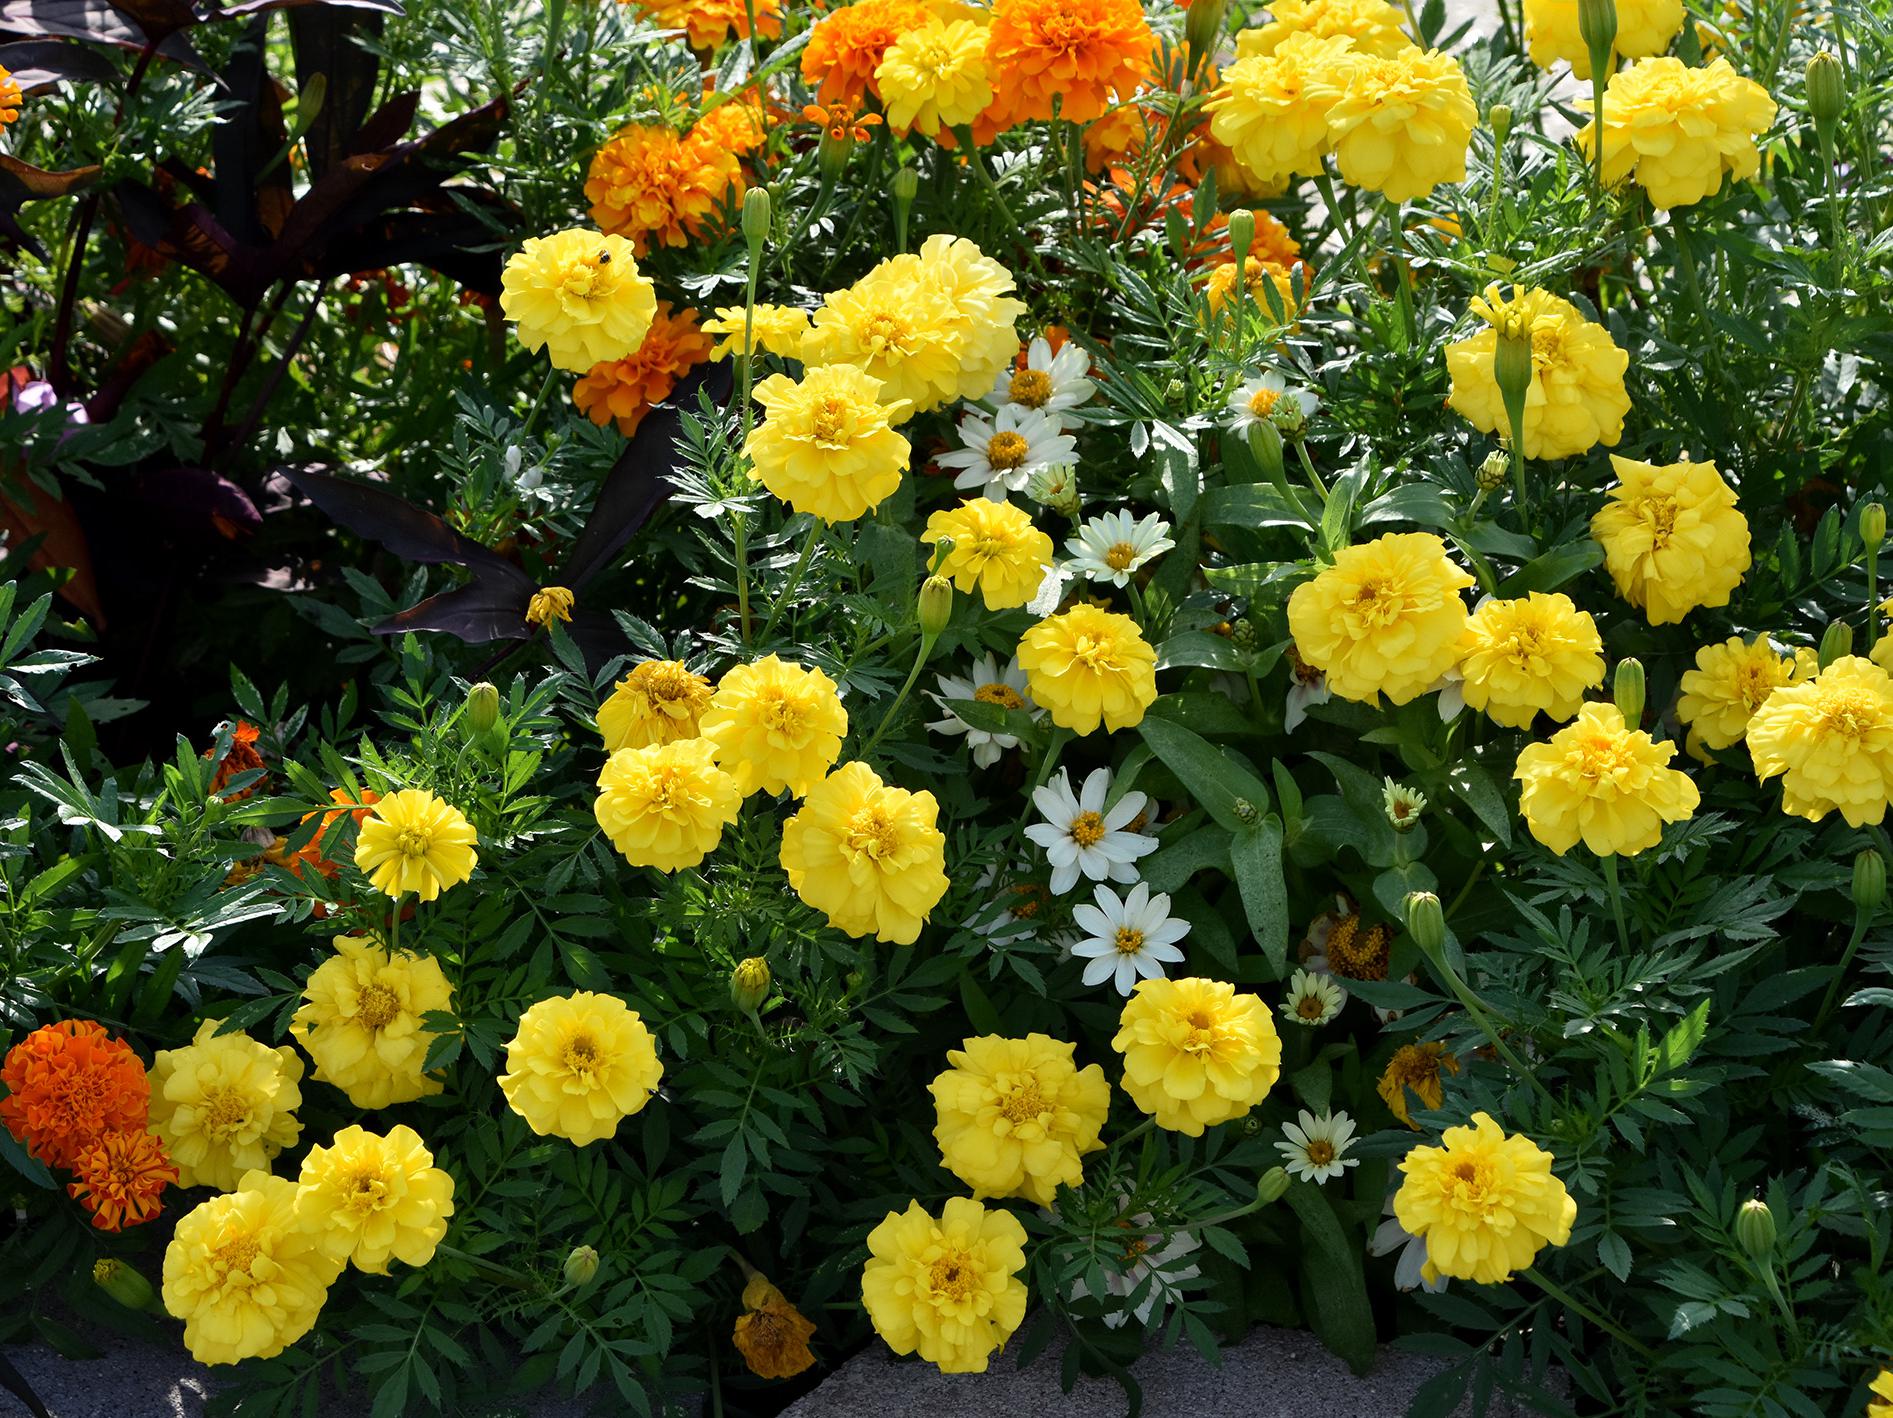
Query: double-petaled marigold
(579,1065)
(1603,784)
(660,701)
(1386,618)
(69,1084)
(775,329)
(1673,538)
(1880,1399)
(1644,27)
(935,77)
(625,390)
(369,1198)
(771,1334)
(1729,683)
(996,550)
(1576,398)
(10,97)
(775,725)
(651,184)
(666,805)
(1272,107)
(224,1105)
(1015,1117)
(947,1288)
(579,296)
(1065,56)
(1537,654)
(1400,125)
(866,854)
(707,23)
(414,841)
(361,1021)
(313,853)
(1418,1069)
(1830,741)
(827,444)
(1368,27)
(241,757)
(1677,130)
(1484,1203)
(1089,667)
(1196,1053)
(847,46)
(121,1179)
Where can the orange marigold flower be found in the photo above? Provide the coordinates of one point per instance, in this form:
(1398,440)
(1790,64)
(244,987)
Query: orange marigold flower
(650,183)
(626,389)
(739,125)
(771,1334)
(241,758)
(707,23)
(122,1178)
(10,97)
(1075,51)
(310,853)
(846,48)
(840,121)
(68,1084)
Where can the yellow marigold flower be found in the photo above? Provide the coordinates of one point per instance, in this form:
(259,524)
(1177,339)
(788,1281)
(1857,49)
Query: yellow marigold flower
(660,701)
(775,726)
(771,1334)
(579,1065)
(1484,1203)
(10,97)
(1881,1406)
(776,328)
(1672,537)
(898,325)
(847,45)
(1602,784)
(370,1199)
(1222,280)
(1014,1117)
(867,855)
(1831,742)
(245,1276)
(550,603)
(995,547)
(224,1105)
(1644,27)
(414,841)
(1729,683)
(666,806)
(947,1289)
(826,444)
(651,183)
(1088,667)
(1576,398)
(360,1021)
(1368,27)
(708,23)
(984,315)
(1521,657)
(1678,129)
(1417,1069)
(1386,618)
(579,296)
(1400,125)
(1196,1053)
(623,391)
(1072,54)
(935,76)
(1272,107)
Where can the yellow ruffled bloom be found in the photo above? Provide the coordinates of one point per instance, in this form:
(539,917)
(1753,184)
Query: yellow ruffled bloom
(1536,654)
(775,726)
(245,1276)
(666,806)
(1602,784)
(867,855)
(1484,1203)
(1729,683)
(1196,1053)
(1881,1404)
(996,548)
(1830,740)
(1087,667)
(777,329)
(414,841)
(1271,109)
(550,603)
(1576,398)
(1672,537)
(579,1065)
(826,444)
(360,1021)
(1386,618)
(1400,125)
(1644,27)
(579,296)
(1678,129)
(935,76)
(371,1199)
(1014,1117)
(947,1289)
(224,1105)
(1366,26)
(660,701)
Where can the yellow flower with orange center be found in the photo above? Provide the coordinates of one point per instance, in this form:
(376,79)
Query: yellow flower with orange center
(579,1065)
(414,841)
(224,1105)
(361,1021)
(708,23)
(866,854)
(1537,654)
(369,1198)
(624,390)
(1089,667)
(1072,54)
(660,701)
(1728,684)
(946,1288)
(1576,398)
(1603,784)
(1679,130)
(1015,1117)
(1644,27)
(777,329)
(666,805)
(1272,107)
(1484,1203)
(996,548)
(1400,125)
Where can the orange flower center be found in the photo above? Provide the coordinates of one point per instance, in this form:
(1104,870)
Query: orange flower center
(954,1277)
(1320,1151)
(376,1007)
(1087,830)
(1030,387)
(1129,940)
(237,1254)
(1006,451)
(1262,402)
(1001,694)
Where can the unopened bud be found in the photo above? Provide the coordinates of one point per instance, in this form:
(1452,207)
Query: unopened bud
(1627,690)
(1204,27)
(1290,418)
(1426,921)
(1512,372)
(1175,392)
(906,184)
(483,709)
(756,218)
(1493,471)
(936,605)
(123,1284)
(831,158)
(1597,27)
(1056,486)
(749,984)
(580,1266)
(1873,525)
(1755,1229)
(1869,881)
(1265,443)
(1241,229)
(1827,91)
(1837,643)
(1244,637)
(1271,1185)
(1500,117)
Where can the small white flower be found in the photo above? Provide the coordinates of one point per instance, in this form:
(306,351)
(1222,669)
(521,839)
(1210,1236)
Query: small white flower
(1003,451)
(1050,383)
(989,685)
(1316,1149)
(1313,999)
(1051,591)
(1307,687)
(1147,1254)
(1079,836)
(1011,915)
(1409,1272)
(1111,547)
(1127,938)
(1255,399)
(1403,805)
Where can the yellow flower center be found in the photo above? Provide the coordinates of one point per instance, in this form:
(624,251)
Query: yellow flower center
(581,1056)
(226,1110)
(1473,1182)
(237,1254)
(779,713)
(1129,940)
(1095,653)
(884,332)
(1006,451)
(1087,830)
(1320,1151)
(672,689)
(1849,712)
(376,1007)
(366,1191)
(828,424)
(1310,1006)
(1030,387)
(1379,602)
(872,833)
(954,1277)
(1262,402)
(589,280)
(1120,556)
(1024,1104)
(412,841)
(1660,514)
(1604,757)
(1755,681)
(1202,1032)
(1002,694)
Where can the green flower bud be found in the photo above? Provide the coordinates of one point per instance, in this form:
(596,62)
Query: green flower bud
(483,709)
(1597,27)
(1201,30)
(124,1284)
(1175,392)
(1627,690)
(1500,117)
(936,605)
(1493,472)
(1271,1185)
(1289,418)
(756,219)
(1426,921)
(831,158)
(1512,371)
(1241,221)
(906,184)
(1837,643)
(1265,442)
(1755,1229)
(1827,91)
(749,984)
(1056,486)
(1873,525)
(580,1266)
(1869,881)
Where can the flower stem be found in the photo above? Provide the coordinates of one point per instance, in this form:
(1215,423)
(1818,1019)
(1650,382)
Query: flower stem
(1564,1298)
(921,656)
(973,160)
(1616,900)
(539,403)
(795,577)
(1861,920)
(1403,277)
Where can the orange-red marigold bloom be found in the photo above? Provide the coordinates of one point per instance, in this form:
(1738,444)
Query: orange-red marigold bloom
(68,1084)
(121,1179)
(847,47)
(626,389)
(707,23)
(241,758)
(310,854)
(1075,51)
(649,183)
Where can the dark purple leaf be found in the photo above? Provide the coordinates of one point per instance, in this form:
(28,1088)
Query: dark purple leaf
(249,135)
(404,529)
(326,41)
(258,7)
(484,609)
(44,61)
(194,501)
(93,20)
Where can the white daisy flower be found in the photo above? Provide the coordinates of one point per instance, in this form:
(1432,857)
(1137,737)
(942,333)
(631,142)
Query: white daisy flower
(1079,836)
(1316,1150)
(1313,999)
(1127,938)
(1148,1254)
(988,684)
(1011,915)
(1111,547)
(1050,383)
(1254,400)
(1307,687)
(1004,450)
(1409,1272)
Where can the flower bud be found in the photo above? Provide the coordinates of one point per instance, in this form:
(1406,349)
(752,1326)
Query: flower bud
(1241,221)
(1627,690)
(1201,30)
(123,1284)
(1755,1229)
(1827,91)
(1837,643)
(1271,1185)
(1500,117)
(1290,418)
(749,984)
(756,219)
(1597,27)
(1265,442)
(580,1266)
(1175,392)
(1426,921)
(1493,471)
(1244,636)
(1869,881)
(1873,525)
(1512,371)
(831,158)
(936,605)
(906,184)
(483,709)
(1056,486)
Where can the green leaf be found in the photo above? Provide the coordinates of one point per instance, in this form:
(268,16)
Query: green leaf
(1553,569)
(1217,778)
(1476,789)
(1332,1279)
(1251,505)
(1256,854)
(1683,1038)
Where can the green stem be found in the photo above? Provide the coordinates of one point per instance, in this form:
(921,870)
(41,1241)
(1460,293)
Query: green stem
(1861,921)
(1692,279)
(1308,467)
(1403,278)
(1562,1297)
(1616,901)
(973,160)
(1474,1006)
(795,577)
(921,657)
(1873,598)
(502,1272)
(539,403)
